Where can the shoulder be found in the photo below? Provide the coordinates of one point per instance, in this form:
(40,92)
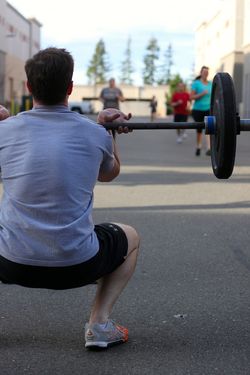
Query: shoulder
(89,129)
(13,119)
(195,83)
(198,85)
(105,90)
(11,126)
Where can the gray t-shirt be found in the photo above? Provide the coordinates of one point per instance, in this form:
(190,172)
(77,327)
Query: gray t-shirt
(110,97)
(50,159)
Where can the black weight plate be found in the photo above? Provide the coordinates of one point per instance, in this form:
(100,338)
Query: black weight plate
(223,142)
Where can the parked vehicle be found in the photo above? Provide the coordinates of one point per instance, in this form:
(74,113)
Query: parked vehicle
(82,107)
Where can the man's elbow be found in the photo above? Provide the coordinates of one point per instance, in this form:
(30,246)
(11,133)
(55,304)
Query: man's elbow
(108,177)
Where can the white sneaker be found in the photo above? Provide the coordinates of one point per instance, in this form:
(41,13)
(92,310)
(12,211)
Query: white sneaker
(184,135)
(179,140)
(111,334)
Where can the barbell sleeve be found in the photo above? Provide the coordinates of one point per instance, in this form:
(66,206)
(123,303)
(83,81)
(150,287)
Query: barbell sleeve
(208,124)
(245,125)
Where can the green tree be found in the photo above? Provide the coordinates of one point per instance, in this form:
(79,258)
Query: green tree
(173,82)
(99,65)
(165,68)
(150,59)
(126,66)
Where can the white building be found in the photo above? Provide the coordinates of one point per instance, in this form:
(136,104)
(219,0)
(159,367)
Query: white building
(246,52)
(223,44)
(19,40)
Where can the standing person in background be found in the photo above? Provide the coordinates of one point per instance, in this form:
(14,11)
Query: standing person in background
(111,97)
(153,105)
(180,103)
(201,94)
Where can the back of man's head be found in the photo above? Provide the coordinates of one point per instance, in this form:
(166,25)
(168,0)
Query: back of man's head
(49,74)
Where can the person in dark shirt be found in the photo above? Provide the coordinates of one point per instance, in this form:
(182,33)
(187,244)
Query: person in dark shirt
(153,105)
(111,96)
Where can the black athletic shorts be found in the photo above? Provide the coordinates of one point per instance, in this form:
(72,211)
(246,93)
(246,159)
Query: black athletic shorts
(113,248)
(180,118)
(198,116)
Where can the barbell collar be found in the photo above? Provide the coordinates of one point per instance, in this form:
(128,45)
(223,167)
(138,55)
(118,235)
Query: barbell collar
(210,125)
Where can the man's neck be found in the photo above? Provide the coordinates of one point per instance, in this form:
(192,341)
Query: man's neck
(37,103)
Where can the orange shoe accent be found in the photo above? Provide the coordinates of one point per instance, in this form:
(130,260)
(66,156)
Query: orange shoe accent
(124,331)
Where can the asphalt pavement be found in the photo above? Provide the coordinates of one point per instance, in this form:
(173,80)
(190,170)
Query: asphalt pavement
(187,306)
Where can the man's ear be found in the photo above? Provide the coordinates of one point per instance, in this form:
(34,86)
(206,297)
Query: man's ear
(29,87)
(70,88)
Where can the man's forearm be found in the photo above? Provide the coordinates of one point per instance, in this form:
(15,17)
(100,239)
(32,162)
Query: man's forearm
(116,152)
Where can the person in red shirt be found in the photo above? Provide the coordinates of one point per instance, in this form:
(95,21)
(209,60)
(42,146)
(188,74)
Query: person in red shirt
(180,103)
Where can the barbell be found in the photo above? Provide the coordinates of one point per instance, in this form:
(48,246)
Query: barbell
(223,125)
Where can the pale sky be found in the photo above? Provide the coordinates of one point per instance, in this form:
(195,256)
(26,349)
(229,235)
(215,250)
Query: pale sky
(79,24)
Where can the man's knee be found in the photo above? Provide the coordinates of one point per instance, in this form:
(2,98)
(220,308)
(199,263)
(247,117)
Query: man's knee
(132,237)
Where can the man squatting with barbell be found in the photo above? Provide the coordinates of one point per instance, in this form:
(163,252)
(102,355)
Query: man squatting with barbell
(51,159)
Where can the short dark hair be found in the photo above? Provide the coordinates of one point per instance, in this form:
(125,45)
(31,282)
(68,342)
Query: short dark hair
(49,73)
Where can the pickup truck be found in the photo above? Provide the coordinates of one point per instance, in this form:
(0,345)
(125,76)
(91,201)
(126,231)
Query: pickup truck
(82,107)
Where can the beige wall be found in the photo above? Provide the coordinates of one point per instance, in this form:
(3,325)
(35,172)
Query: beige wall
(246,49)
(246,33)
(245,108)
(135,107)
